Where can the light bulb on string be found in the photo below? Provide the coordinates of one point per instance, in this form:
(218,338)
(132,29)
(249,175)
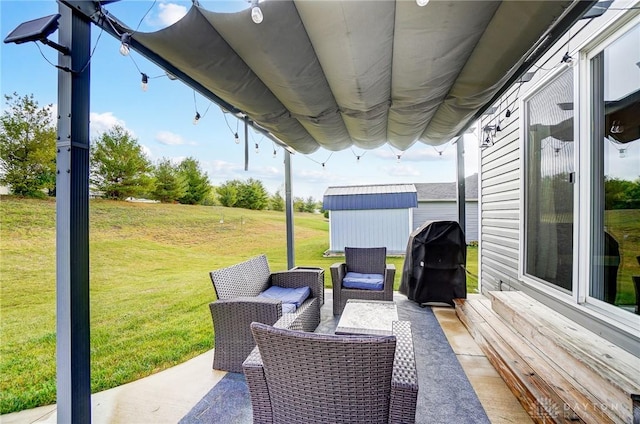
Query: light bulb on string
(398,157)
(196,118)
(567,60)
(257,148)
(145,81)
(422,3)
(358,159)
(256,12)
(622,153)
(236,138)
(125,41)
(275,153)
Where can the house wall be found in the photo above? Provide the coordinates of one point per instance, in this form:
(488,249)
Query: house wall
(447,211)
(500,192)
(370,228)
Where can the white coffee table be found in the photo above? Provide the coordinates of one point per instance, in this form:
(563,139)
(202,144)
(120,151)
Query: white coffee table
(369,317)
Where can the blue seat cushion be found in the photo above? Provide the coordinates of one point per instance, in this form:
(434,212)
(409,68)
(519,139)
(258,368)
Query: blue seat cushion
(291,298)
(356,280)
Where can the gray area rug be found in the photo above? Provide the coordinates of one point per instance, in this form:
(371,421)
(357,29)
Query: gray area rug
(445,394)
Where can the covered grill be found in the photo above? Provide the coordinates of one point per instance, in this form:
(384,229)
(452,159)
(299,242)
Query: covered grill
(434,265)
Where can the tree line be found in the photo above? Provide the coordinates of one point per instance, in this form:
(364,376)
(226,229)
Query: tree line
(119,169)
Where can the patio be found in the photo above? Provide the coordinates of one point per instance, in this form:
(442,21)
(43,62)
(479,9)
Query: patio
(191,392)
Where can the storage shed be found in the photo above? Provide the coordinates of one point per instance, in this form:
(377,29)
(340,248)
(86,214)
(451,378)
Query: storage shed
(438,202)
(370,216)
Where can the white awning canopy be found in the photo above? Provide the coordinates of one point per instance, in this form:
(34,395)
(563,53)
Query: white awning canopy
(341,73)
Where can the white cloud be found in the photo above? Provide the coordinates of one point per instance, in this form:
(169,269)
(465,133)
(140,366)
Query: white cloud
(170,139)
(401,170)
(147,151)
(102,122)
(168,14)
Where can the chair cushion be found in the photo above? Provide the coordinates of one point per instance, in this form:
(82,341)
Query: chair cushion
(356,280)
(291,298)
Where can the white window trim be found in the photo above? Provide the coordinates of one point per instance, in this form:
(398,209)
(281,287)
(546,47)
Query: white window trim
(579,298)
(530,281)
(603,310)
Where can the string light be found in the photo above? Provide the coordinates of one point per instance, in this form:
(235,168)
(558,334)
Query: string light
(567,60)
(323,164)
(622,153)
(422,3)
(125,42)
(237,139)
(256,12)
(145,81)
(196,118)
(257,148)
(358,156)
(275,153)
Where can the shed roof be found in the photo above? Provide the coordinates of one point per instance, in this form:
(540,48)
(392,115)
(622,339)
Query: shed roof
(379,196)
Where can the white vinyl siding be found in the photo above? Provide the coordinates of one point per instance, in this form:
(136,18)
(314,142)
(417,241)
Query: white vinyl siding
(447,211)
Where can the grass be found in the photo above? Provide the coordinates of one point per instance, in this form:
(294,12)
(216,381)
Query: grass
(150,286)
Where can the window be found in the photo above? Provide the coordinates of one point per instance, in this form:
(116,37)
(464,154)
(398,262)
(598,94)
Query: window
(549,175)
(615,259)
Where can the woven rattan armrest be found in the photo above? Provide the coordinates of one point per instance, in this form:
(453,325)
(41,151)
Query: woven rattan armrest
(404,380)
(232,319)
(389,275)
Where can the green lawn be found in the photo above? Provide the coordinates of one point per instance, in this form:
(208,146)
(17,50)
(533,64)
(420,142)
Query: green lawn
(149,285)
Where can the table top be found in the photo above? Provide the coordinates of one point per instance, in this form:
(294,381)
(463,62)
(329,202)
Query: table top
(370,317)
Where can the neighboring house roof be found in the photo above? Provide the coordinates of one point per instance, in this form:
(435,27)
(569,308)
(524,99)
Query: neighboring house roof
(380,196)
(447,191)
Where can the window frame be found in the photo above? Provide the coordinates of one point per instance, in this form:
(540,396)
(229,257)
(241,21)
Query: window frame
(589,161)
(579,300)
(531,281)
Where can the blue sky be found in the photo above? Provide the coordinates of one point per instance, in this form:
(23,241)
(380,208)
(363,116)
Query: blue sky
(161,119)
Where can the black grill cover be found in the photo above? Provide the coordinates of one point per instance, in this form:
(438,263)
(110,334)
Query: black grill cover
(434,265)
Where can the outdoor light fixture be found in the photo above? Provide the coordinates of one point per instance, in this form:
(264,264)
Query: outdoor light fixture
(37,30)
(256,12)
(145,81)
(508,113)
(125,41)
(275,153)
(422,3)
(237,139)
(398,157)
(196,118)
(257,148)
(623,153)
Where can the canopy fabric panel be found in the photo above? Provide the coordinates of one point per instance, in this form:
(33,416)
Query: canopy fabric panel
(336,74)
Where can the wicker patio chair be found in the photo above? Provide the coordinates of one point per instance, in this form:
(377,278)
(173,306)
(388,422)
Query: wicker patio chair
(237,288)
(365,260)
(297,377)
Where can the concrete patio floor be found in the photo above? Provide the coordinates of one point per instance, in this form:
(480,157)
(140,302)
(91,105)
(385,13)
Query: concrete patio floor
(169,395)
